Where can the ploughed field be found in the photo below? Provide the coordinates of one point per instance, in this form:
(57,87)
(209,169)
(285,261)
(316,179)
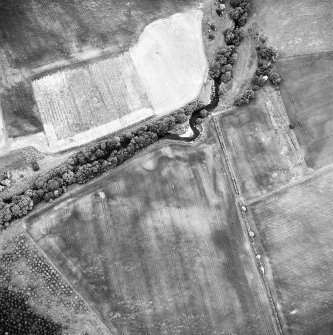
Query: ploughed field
(307,91)
(296,230)
(157,247)
(75,100)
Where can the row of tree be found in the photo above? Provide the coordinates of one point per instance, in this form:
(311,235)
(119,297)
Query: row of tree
(240,12)
(92,161)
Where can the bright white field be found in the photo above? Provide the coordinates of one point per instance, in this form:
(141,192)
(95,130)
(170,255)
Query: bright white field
(170,60)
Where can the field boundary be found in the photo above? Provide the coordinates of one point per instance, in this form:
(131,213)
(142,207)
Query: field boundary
(313,175)
(227,160)
(306,54)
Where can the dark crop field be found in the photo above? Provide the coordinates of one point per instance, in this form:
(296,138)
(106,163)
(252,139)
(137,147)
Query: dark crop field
(20,111)
(296,232)
(157,248)
(260,147)
(307,91)
(37,32)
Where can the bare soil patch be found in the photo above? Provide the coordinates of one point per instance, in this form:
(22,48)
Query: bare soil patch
(295,228)
(158,248)
(307,91)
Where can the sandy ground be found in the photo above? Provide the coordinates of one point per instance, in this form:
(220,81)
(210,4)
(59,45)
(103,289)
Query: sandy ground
(170,60)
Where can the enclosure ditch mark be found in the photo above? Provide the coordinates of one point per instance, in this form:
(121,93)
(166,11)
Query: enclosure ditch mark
(243,219)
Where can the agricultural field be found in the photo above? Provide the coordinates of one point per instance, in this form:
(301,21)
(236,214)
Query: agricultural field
(307,92)
(295,228)
(37,32)
(75,100)
(263,151)
(157,247)
(163,72)
(170,60)
(296,27)
(39,37)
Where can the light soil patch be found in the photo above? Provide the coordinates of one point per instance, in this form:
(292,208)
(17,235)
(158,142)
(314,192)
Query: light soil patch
(296,27)
(307,91)
(158,248)
(263,151)
(295,227)
(170,60)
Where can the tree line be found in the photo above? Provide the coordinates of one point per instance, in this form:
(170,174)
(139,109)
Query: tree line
(91,162)
(225,59)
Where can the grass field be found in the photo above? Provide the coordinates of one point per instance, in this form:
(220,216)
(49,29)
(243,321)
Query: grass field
(296,27)
(296,232)
(157,248)
(260,145)
(307,92)
(76,100)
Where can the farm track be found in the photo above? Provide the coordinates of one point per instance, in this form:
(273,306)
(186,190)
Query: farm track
(243,220)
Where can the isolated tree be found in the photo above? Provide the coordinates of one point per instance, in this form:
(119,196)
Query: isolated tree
(226,77)
(203,114)
(275,78)
(268,53)
(245,97)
